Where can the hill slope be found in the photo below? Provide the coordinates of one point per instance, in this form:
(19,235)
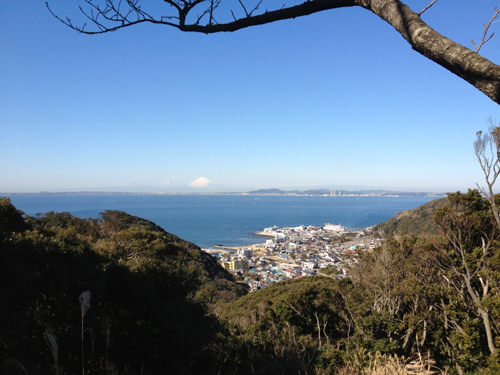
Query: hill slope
(418,221)
(149,294)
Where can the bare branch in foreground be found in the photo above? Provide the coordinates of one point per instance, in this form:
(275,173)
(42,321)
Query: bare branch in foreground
(110,15)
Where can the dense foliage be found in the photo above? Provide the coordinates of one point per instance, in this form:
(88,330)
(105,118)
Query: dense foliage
(160,305)
(149,296)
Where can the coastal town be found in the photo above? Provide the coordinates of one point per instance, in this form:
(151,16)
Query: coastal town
(293,252)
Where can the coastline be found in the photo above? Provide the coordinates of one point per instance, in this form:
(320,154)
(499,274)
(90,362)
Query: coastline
(236,248)
(224,220)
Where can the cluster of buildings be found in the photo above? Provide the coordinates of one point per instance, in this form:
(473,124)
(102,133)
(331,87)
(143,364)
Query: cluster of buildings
(293,252)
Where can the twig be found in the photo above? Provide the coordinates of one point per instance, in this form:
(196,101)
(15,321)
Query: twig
(427,7)
(485,39)
(245,9)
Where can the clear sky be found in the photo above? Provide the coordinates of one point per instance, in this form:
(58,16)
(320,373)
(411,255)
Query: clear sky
(336,99)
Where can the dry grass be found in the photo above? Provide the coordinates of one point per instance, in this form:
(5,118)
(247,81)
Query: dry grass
(378,364)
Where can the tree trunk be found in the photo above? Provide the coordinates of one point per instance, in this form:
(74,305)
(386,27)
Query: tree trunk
(484,315)
(487,327)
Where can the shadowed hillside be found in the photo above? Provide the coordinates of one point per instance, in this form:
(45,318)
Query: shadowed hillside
(148,295)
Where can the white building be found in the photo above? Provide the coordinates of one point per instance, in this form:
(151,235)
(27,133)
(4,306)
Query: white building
(309,265)
(333,227)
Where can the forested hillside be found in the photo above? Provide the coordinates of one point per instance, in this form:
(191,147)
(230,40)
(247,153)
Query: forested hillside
(150,294)
(418,221)
(120,295)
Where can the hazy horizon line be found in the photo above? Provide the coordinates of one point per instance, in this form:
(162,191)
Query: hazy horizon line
(352,189)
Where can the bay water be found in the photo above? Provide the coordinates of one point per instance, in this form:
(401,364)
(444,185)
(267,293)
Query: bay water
(230,220)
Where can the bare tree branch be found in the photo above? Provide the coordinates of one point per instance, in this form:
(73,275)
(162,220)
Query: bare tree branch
(244,9)
(487,151)
(461,61)
(427,7)
(249,14)
(486,27)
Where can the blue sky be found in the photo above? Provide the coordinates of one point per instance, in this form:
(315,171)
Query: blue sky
(336,99)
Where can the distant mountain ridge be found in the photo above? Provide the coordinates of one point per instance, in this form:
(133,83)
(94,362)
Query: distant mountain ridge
(339,192)
(273,191)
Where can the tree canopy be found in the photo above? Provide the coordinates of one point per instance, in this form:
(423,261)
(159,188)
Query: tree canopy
(214,16)
(149,292)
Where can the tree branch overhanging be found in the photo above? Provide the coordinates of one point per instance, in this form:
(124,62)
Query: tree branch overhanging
(198,16)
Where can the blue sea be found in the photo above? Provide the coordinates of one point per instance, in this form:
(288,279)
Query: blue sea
(230,220)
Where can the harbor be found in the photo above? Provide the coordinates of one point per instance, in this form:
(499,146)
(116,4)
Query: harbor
(293,252)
